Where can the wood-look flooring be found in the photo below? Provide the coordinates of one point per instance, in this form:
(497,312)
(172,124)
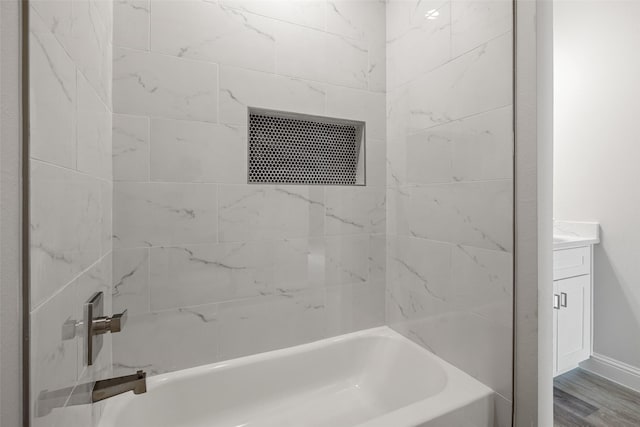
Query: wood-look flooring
(582,399)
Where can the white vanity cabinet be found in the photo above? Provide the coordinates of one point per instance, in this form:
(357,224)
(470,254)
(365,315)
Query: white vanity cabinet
(572,307)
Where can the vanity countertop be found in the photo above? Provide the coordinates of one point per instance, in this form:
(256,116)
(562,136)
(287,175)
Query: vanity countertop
(567,234)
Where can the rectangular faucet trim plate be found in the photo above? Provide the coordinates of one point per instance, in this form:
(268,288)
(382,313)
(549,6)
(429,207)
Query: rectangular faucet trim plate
(98,324)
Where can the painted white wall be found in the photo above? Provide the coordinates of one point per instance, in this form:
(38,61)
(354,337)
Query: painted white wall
(597,155)
(10,326)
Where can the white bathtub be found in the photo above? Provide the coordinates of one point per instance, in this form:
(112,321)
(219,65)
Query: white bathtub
(372,378)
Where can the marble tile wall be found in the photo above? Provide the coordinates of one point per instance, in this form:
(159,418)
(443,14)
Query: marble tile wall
(209,267)
(71,194)
(450,183)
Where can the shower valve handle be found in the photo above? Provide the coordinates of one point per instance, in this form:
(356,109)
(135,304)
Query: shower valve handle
(113,324)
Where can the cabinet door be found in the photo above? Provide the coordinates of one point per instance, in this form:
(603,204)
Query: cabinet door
(574,322)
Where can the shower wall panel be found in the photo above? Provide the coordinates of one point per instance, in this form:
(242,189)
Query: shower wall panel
(450,183)
(70,44)
(210,267)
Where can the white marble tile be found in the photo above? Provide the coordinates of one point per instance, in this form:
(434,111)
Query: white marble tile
(70,415)
(475,22)
(106,217)
(298,264)
(354,307)
(307,53)
(152,84)
(90,44)
(403,14)
(355,18)
(54,360)
(261,324)
(131,280)
(482,282)
(483,146)
(429,157)
(377,257)
(470,342)
(130,148)
(419,273)
(479,147)
(260,212)
(131,23)
(156,214)
(483,214)
(377,71)
(355,104)
(347,259)
(420,47)
(156,342)
(93,132)
(475,82)
(184,151)
(397,123)
(376,166)
(52,97)
(65,227)
(309,13)
(346,62)
(355,210)
(301,52)
(212,32)
(54,16)
(240,88)
(201,274)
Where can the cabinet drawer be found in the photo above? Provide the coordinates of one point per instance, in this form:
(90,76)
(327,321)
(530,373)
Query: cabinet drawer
(571,262)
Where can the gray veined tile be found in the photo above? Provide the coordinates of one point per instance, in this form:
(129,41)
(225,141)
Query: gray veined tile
(308,13)
(201,274)
(213,32)
(355,307)
(478,21)
(130,288)
(357,104)
(482,214)
(482,282)
(429,157)
(89,44)
(156,342)
(65,227)
(430,35)
(307,53)
(130,148)
(152,84)
(261,324)
(240,88)
(467,85)
(355,210)
(94,132)
(53,99)
(106,217)
(131,23)
(266,212)
(53,358)
(185,151)
(347,259)
(431,280)
(158,214)
(483,146)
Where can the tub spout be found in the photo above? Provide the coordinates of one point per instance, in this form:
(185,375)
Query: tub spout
(105,389)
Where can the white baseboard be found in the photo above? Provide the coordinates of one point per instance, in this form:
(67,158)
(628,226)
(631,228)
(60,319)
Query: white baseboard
(613,370)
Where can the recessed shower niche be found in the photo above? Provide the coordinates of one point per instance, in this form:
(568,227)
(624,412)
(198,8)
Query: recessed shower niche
(292,148)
